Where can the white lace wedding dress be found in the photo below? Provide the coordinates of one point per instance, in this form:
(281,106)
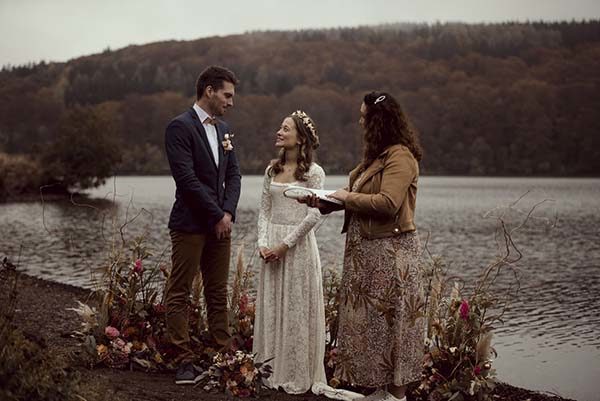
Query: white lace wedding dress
(290,315)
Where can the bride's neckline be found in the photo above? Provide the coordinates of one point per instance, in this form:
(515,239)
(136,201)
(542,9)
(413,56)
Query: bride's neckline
(283,183)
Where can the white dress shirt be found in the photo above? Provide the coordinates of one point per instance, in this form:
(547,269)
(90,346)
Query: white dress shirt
(211,132)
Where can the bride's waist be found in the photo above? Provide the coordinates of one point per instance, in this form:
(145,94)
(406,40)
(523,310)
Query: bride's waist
(287,219)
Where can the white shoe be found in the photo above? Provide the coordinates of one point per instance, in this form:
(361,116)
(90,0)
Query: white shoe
(335,393)
(377,395)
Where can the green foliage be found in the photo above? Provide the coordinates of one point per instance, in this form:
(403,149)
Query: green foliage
(495,99)
(85,152)
(19,175)
(27,370)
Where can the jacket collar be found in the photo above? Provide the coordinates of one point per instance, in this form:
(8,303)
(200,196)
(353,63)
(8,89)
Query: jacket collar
(373,169)
(202,132)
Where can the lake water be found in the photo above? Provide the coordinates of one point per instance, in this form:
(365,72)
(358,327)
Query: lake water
(551,339)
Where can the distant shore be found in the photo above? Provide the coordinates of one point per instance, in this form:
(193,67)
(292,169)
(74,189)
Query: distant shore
(41,311)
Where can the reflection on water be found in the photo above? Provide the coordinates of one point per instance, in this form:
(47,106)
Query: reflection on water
(550,341)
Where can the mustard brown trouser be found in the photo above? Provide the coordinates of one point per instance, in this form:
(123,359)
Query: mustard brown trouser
(211,255)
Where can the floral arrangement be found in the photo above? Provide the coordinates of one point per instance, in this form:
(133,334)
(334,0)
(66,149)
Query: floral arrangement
(461,318)
(459,355)
(128,330)
(237,374)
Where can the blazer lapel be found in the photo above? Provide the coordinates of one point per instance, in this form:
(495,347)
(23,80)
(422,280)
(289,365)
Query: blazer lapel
(202,133)
(220,138)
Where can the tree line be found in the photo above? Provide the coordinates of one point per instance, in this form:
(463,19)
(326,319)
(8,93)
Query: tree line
(488,99)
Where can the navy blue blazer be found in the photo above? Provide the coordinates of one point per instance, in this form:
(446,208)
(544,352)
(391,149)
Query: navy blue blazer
(204,191)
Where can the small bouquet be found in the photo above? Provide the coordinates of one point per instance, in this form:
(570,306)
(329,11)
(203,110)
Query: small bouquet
(237,374)
(227,145)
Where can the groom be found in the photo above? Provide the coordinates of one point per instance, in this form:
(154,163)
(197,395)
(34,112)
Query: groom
(207,177)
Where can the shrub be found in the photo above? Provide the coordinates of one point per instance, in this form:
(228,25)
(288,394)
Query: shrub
(19,175)
(27,370)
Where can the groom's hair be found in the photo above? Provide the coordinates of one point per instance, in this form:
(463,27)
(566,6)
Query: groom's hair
(214,76)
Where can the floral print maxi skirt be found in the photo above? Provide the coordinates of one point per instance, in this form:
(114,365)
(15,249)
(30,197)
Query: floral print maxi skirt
(381,325)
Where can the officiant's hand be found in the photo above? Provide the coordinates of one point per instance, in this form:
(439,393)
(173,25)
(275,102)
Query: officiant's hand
(324,207)
(223,227)
(340,194)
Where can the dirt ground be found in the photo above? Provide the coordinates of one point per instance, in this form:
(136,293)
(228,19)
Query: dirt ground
(41,312)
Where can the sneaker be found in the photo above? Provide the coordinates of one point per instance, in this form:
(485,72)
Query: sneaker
(186,374)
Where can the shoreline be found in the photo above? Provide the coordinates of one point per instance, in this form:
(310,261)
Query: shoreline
(35,196)
(41,312)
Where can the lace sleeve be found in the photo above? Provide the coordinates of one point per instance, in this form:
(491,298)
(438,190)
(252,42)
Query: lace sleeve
(315,180)
(264,214)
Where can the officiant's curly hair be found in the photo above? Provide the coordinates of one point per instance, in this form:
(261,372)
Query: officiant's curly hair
(309,142)
(214,76)
(386,124)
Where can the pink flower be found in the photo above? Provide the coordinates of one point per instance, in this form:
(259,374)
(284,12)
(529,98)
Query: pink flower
(137,267)
(111,332)
(476,370)
(464,309)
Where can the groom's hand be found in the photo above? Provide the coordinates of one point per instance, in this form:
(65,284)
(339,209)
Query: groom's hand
(223,227)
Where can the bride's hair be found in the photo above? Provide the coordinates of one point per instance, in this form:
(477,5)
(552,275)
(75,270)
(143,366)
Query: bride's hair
(385,125)
(309,141)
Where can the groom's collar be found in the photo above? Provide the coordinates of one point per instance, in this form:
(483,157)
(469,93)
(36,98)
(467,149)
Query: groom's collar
(202,115)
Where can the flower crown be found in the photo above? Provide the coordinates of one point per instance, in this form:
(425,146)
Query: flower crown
(308,122)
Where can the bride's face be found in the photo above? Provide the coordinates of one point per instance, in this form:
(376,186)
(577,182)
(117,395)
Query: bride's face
(287,136)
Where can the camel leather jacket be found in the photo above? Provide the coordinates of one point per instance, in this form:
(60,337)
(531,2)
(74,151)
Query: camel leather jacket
(385,200)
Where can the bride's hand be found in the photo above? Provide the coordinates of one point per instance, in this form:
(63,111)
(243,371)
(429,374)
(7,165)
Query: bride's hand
(264,253)
(279,251)
(340,194)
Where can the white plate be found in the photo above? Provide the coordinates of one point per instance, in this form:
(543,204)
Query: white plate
(296,192)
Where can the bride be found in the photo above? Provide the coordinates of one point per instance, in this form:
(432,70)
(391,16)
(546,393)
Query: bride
(290,316)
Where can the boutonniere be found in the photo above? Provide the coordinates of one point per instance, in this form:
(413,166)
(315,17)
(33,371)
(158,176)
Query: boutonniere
(227,145)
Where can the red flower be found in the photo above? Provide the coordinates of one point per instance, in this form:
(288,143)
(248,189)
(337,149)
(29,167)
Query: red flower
(476,370)
(137,267)
(464,310)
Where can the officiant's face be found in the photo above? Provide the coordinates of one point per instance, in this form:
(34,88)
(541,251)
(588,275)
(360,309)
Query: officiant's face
(363,113)
(220,100)
(287,136)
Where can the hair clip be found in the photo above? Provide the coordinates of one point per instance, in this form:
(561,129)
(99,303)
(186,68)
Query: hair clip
(379,99)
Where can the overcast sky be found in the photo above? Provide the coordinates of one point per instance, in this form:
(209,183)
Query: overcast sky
(58,30)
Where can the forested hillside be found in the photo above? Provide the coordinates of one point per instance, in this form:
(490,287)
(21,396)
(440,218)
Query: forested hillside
(501,99)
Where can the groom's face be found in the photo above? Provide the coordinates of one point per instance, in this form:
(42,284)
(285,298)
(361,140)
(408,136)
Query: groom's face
(220,100)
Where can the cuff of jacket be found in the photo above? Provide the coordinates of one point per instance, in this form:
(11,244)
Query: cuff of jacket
(231,212)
